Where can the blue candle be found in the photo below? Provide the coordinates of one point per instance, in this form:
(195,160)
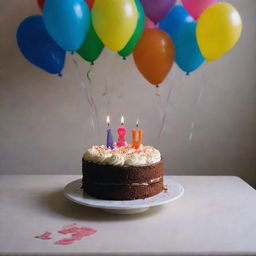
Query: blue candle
(110,143)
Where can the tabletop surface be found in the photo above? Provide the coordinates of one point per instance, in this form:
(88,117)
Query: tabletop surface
(215,216)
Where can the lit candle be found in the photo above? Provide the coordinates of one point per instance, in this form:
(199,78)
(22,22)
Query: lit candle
(121,134)
(136,136)
(110,143)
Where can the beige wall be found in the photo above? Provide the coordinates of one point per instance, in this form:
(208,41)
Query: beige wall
(46,122)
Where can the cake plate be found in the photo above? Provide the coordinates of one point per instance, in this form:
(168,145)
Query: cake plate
(75,193)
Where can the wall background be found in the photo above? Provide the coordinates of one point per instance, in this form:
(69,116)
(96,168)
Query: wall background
(46,121)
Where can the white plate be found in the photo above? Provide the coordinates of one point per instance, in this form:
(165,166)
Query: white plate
(75,193)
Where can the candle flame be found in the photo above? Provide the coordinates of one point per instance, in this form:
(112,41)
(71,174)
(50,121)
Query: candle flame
(122,120)
(108,120)
(137,122)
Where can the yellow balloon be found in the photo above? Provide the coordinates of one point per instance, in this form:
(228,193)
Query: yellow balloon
(114,22)
(218,29)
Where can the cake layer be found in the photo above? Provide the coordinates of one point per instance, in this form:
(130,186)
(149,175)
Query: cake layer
(123,192)
(123,175)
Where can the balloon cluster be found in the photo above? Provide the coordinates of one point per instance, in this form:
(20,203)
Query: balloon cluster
(156,32)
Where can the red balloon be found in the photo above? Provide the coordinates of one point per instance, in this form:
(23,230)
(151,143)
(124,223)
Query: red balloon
(90,3)
(41,3)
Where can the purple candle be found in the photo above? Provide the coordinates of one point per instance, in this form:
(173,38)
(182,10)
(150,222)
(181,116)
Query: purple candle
(110,143)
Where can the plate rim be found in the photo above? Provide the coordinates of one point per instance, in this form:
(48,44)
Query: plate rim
(167,180)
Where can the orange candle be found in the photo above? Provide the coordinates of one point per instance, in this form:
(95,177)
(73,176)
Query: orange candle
(136,136)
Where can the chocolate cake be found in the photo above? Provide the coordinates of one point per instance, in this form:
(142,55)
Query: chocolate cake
(123,173)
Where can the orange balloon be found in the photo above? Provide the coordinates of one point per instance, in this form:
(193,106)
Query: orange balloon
(154,55)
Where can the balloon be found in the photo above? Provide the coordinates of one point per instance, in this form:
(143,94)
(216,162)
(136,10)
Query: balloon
(67,22)
(157,9)
(114,22)
(196,7)
(149,23)
(154,55)
(181,27)
(218,29)
(128,49)
(174,20)
(40,4)
(90,3)
(91,47)
(187,53)
(38,47)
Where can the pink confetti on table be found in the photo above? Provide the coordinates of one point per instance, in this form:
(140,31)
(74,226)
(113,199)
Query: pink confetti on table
(45,236)
(77,233)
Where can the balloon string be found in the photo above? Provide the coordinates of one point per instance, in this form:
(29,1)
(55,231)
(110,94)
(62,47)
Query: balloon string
(88,74)
(106,89)
(90,100)
(110,89)
(190,137)
(199,99)
(161,110)
(164,110)
(159,101)
(200,95)
(94,106)
(82,84)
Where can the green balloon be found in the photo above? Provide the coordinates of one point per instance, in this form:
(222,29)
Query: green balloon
(91,47)
(128,49)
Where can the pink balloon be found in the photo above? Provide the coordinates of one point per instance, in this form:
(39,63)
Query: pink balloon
(196,7)
(149,23)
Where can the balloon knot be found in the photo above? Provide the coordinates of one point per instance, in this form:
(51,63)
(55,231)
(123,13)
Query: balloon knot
(124,58)
(72,52)
(60,75)
(157,86)
(187,73)
(92,63)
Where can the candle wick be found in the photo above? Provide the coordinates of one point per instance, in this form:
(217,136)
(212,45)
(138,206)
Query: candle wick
(137,123)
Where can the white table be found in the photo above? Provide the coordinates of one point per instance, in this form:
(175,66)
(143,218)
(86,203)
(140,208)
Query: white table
(215,216)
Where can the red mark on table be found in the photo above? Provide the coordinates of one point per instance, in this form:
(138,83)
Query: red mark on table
(45,236)
(76,232)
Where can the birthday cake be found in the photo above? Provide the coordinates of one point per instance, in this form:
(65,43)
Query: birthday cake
(122,173)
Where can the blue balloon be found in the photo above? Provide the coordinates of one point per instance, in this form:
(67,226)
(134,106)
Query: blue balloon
(174,20)
(181,27)
(67,22)
(187,53)
(38,47)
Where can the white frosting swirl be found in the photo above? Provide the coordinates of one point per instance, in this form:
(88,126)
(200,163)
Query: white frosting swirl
(123,156)
(115,159)
(135,159)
